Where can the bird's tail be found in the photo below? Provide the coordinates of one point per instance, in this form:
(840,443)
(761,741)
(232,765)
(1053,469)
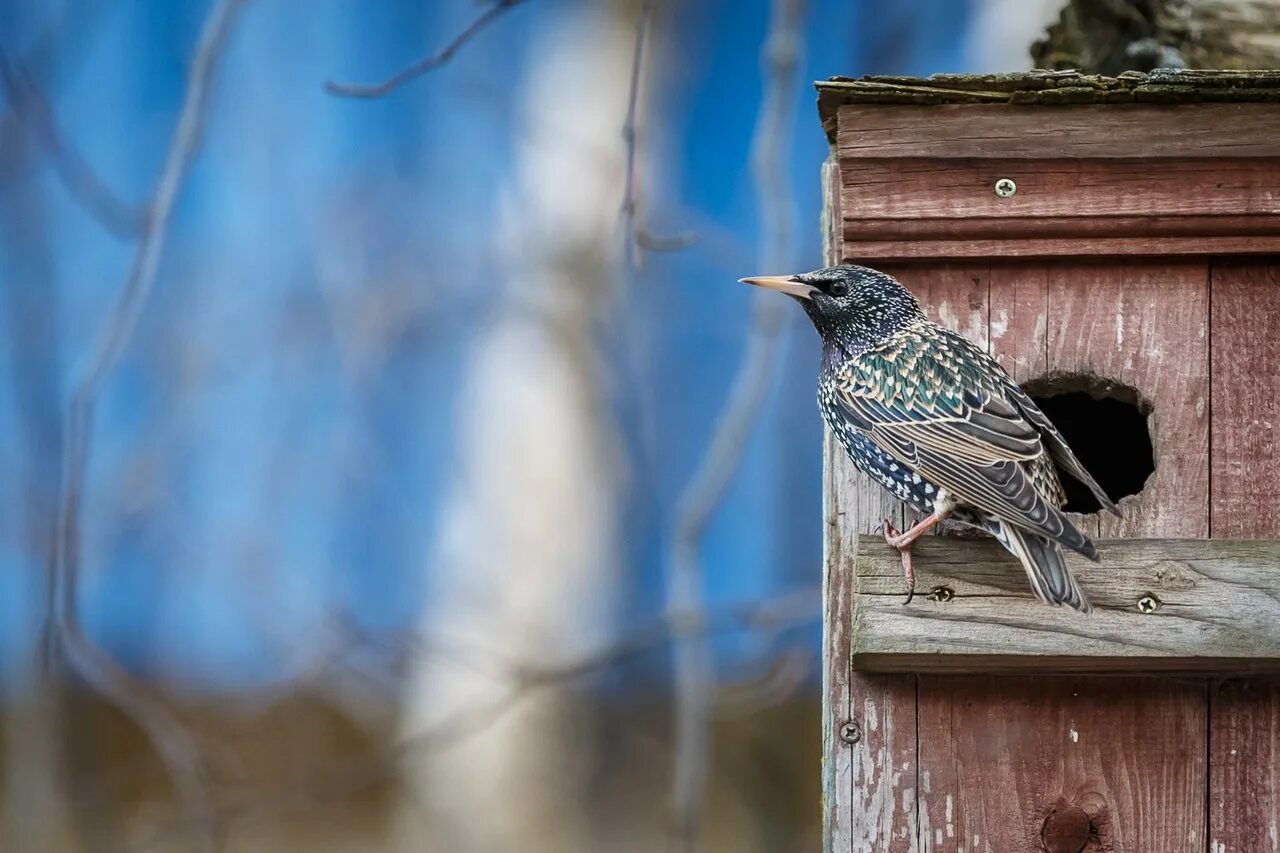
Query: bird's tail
(1051,580)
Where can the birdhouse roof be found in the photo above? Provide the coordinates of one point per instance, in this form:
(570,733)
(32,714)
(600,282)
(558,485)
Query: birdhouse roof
(1048,88)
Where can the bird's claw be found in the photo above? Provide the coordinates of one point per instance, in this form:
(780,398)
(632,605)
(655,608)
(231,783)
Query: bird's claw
(891,535)
(909,572)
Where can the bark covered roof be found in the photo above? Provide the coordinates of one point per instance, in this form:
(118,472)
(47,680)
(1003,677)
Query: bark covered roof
(1048,88)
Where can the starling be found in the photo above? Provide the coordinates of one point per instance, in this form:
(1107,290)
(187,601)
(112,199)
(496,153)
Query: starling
(939,424)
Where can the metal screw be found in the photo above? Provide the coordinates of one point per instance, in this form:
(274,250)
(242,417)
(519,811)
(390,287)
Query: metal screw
(1005,187)
(941,593)
(1149,603)
(850,733)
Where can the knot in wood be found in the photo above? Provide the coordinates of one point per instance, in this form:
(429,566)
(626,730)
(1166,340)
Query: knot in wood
(1066,829)
(1174,575)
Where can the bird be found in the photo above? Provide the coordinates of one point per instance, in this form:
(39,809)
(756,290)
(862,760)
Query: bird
(935,420)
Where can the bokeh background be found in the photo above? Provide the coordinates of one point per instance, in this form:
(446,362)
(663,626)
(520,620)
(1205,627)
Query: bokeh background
(444,491)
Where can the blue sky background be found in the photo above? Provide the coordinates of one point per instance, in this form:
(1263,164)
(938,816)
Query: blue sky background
(240,459)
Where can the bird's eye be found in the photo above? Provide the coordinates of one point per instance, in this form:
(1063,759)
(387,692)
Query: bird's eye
(838,288)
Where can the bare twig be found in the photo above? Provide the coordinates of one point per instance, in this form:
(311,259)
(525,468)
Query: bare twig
(32,109)
(630,132)
(705,491)
(637,236)
(427,63)
(169,737)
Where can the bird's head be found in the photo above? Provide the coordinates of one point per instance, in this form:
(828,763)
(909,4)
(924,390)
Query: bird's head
(851,306)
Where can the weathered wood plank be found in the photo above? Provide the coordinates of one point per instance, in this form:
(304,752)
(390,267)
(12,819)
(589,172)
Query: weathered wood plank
(883,765)
(1146,326)
(1219,609)
(868,782)
(837,631)
(1019,312)
(1004,761)
(1077,225)
(1129,131)
(1246,399)
(1059,88)
(953,295)
(869,786)
(1244,754)
(878,251)
(964,189)
(837,597)
(1244,766)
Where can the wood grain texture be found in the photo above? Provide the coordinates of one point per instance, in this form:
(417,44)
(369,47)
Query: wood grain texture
(1085,245)
(1145,326)
(953,295)
(1000,756)
(1128,131)
(917,182)
(837,631)
(1244,755)
(1219,611)
(1070,88)
(1079,225)
(1019,315)
(1244,766)
(964,189)
(883,767)
(869,787)
(837,598)
(1246,399)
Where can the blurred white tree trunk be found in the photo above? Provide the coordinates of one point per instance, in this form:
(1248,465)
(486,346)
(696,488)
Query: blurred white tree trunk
(527,562)
(1001,31)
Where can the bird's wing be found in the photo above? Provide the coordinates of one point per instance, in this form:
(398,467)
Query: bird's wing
(1057,445)
(949,422)
(981,429)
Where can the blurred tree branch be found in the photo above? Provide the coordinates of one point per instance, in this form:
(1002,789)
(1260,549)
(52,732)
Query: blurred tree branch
(170,738)
(86,187)
(638,236)
(522,677)
(427,63)
(706,489)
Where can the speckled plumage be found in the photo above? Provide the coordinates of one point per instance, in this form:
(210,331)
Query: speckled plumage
(924,369)
(923,411)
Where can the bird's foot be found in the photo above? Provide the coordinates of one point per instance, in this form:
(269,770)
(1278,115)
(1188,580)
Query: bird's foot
(895,540)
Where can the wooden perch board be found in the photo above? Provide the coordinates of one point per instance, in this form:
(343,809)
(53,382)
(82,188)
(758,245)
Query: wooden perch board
(1218,609)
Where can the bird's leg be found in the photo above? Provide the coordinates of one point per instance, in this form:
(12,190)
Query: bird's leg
(903,542)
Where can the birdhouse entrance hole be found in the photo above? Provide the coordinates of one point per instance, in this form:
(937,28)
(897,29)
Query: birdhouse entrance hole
(1106,424)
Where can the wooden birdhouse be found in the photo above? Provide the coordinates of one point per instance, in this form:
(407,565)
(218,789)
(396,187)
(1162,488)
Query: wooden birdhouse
(1115,243)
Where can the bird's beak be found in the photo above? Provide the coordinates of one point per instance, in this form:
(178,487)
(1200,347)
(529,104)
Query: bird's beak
(783,284)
